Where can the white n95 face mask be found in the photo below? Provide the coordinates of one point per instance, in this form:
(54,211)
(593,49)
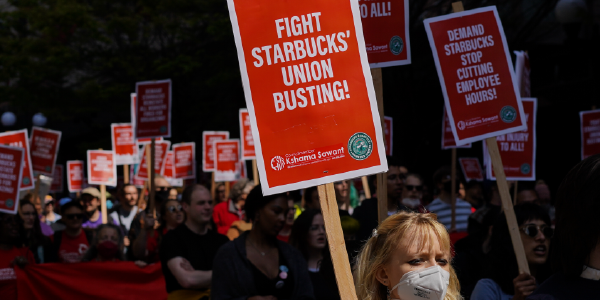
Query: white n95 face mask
(426,284)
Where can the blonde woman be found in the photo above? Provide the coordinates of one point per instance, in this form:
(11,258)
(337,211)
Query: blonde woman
(407,257)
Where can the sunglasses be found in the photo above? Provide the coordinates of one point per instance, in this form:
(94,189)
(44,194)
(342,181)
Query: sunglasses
(73,216)
(532,230)
(162,189)
(414,187)
(175,208)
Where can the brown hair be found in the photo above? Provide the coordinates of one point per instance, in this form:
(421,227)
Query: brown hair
(420,229)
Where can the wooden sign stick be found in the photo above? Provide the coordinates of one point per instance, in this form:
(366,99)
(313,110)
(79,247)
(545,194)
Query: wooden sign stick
(227,188)
(103,208)
(126,174)
(453,190)
(213,188)
(335,238)
(151,175)
(255,172)
(382,205)
(366,188)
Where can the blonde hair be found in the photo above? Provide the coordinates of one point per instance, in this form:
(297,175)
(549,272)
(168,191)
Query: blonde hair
(417,228)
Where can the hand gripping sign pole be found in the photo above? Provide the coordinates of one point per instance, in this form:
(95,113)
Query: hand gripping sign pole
(507,205)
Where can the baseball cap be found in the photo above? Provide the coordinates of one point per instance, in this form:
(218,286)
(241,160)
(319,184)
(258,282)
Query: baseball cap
(48,199)
(91,191)
(64,201)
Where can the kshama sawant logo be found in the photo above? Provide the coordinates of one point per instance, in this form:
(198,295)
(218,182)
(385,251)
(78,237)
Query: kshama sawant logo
(307,157)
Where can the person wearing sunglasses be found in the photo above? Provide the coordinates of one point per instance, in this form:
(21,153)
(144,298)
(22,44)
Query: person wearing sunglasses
(412,193)
(504,280)
(72,242)
(171,214)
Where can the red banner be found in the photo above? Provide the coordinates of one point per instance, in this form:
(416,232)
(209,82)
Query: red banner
(57,185)
(101,167)
(448,141)
(184,160)
(19,139)
(227,158)
(160,154)
(517,149)
(388,134)
(471,168)
(208,139)
(11,160)
(590,132)
(75,176)
(44,149)
(153,109)
(476,74)
(124,145)
(246,135)
(385,27)
(90,281)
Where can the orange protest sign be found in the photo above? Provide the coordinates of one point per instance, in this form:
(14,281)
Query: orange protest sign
(44,149)
(227,160)
(208,139)
(317,119)
(160,153)
(19,139)
(75,176)
(246,135)
(184,160)
(11,160)
(101,167)
(471,168)
(124,145)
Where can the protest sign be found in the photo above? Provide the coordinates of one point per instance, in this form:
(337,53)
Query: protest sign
(160,153)
(123,144)
(44,149)
(11,160)
(208,139)
(471,168)
(522,71)
(101,167)
(153,109)
(476,74)
(57,185)
(517,149)
(75,176)
(19,139)
(184,160)
(227,160)
(167,171)
(246,135)
(448,141)
(385,27)
(309,57)
(388,133)
(146,141)
(590,132)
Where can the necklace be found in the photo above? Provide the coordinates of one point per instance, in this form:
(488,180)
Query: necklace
(256,248)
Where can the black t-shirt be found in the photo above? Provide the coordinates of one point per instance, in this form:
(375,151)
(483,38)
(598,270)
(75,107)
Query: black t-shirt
(199,250)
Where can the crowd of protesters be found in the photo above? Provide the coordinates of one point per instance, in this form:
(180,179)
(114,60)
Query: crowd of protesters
(239,244)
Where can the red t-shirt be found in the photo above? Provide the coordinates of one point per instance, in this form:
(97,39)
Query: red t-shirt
(8,278)
(223,216)
(152,246)
(71,249)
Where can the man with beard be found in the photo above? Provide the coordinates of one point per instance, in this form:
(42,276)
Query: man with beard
(126,210)
(442,206)
(90,200)
(413,192)
(11,255)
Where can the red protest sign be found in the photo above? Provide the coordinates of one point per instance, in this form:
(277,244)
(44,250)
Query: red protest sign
(101,167)
(208,139)
(322,124)
(388,133)
(517,149)
(19,139)
(448,141)
(146,141)
(75,176)
(184,157)
(471,168)
(246,135)
(522,71)
(243,169)
(57,185)
(123,144)
(160,154)
(167,171)
(476,75)
(227,160)
(43,149)
(153,109)
(11,160)
(385,27)
(590,132)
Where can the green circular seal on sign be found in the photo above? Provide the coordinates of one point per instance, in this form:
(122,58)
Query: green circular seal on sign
(525,168)
(163,129)
(26,180)
(360,146)
(9,203)
(508,114)
(396,45)
(48,168)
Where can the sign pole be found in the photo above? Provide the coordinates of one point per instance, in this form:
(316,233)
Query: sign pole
(335,238)
(453,190)
(142,204)
(126,174)
(255,172)
(151,174)
(227,187)
(381,177)
(103,208)
(366,188)
(213,188)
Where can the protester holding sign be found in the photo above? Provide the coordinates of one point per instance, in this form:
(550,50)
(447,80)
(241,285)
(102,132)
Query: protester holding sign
(11,255)
(90,198)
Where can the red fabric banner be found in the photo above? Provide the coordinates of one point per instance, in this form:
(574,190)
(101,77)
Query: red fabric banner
(91,280)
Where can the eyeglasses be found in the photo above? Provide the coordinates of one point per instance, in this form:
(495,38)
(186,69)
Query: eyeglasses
(532,230)
(414,187)
(175,208)
(74,216)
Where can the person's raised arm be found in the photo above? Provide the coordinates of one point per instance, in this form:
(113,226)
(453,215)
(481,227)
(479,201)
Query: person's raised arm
(187,277)
(139,247)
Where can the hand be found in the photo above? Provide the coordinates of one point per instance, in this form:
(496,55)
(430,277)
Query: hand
(524,285)
(126,241)
(19,261)
(140,263)
(186,265)
(263,298)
